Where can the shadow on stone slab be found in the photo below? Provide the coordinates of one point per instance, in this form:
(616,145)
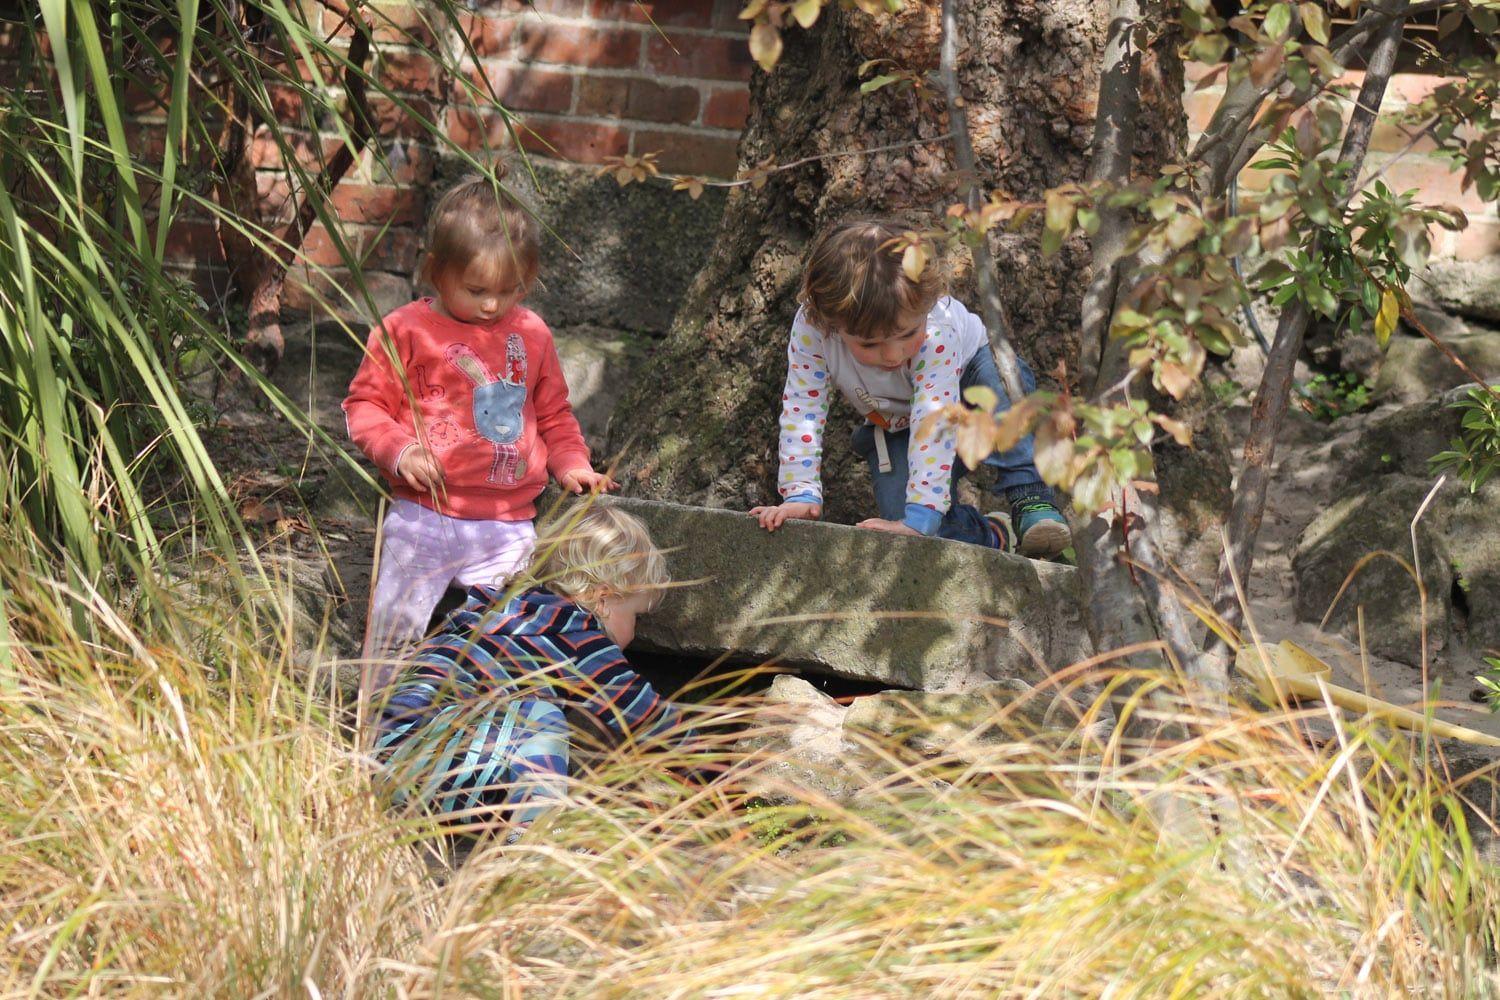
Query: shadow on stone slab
(917,613)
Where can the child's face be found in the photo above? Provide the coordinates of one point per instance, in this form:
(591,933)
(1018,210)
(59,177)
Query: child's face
(479,293)
(889,353)
(617,613)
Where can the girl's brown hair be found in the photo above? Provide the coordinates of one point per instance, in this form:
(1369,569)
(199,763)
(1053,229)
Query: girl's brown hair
(854,284)
(477,219)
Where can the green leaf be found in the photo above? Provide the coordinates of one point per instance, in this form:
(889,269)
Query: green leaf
(1385,319)
(1208,49)
(874,83)
(1278,23)
(1059,215)
(982,397)
(1315,20)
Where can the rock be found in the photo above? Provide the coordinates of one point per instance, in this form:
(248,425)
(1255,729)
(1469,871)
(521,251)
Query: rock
(1469,288)
(1373,519)
(797,752)
(614,256)
(960,722)
(917,613)
(1415,369)
(1386,474)
(597,364)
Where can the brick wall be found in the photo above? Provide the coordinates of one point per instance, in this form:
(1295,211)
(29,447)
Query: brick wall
(1401,168)
(585,79)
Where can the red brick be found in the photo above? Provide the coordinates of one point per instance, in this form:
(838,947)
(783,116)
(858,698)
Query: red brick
(400,162)
(1480,241)
(603,96)
(657,102)
(708,57)
(376,247)
(411,72)
(475,130)
(490,36)
(527,88)
(555,8)
(1200,108)
(403,22)
(1413,88)
(575,45)
(319,250)
(273,196)
(377,203)
(727,108)
(1391,137)
(1434,182)
(397,120)
(689,153)
(147,140)
(194,241)
(727,16)
(673,13)
(580,142)
(266,154)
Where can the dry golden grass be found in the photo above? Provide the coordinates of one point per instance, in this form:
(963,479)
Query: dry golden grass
(174,830)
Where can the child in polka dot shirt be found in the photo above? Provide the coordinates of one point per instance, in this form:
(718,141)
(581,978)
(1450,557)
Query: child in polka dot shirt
(900,351)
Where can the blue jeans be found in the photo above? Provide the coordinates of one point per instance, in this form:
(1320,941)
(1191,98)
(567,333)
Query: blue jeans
(1015,469)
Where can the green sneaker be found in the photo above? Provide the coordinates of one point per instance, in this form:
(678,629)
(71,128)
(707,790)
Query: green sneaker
(1041,530)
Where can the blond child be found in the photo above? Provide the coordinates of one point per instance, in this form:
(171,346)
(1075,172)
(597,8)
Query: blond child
(475,727)
(462,405)
(900,351)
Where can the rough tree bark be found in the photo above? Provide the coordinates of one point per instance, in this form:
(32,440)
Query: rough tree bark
(701,426)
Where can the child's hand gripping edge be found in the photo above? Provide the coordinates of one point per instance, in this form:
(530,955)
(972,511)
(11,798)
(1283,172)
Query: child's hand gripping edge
(772,518)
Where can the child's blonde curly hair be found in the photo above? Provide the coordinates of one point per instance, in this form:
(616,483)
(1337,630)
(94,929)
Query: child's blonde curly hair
(598,551)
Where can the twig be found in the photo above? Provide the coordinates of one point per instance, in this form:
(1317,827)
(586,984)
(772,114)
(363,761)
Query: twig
(1269,409)
(1409,314)
(990,303)
(1416,553)
(1113,148)
(1416,138)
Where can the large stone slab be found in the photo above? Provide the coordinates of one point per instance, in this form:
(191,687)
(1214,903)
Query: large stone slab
(908,612)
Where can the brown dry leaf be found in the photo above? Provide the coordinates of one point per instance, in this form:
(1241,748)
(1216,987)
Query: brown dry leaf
(1175,379)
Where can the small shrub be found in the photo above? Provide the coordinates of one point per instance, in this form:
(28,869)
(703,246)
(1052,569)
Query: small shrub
(1474,455)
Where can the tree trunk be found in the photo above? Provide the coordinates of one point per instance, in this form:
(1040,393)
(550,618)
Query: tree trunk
(701,426)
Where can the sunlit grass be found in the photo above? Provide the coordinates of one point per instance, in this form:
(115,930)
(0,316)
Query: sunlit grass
(171,827)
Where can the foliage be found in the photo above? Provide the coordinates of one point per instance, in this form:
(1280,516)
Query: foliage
(1329,397)
(170,829)
(1474,456)
(1489,682)
(95,327)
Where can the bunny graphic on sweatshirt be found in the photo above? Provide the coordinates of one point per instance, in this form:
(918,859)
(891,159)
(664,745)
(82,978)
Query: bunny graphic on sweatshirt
(498,404)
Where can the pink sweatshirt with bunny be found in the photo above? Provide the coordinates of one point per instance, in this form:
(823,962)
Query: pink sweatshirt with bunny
(489,401)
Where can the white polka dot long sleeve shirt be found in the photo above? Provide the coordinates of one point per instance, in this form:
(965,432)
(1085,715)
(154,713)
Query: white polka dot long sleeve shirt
(892,400)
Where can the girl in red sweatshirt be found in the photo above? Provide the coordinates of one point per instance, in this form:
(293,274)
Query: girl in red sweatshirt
(462,405)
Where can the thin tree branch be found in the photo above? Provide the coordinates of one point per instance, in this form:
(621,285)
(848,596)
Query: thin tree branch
(1269,410)
(990,304)
(264,330)
(1113,150)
